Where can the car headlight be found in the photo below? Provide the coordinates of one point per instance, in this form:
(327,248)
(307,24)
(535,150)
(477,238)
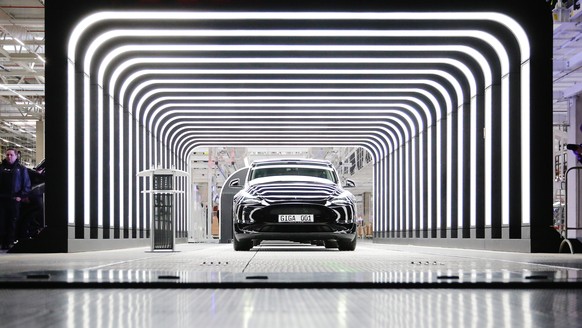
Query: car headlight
(252,200)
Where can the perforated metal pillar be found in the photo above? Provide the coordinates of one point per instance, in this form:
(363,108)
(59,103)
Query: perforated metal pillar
(162,220)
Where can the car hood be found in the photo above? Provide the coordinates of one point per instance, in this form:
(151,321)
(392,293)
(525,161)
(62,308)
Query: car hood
(293,188)
(290,178)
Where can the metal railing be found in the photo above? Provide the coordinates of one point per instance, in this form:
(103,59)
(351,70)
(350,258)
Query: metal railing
(561,221)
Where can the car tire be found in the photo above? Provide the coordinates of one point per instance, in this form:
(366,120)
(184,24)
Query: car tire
(330,244)
(242,245)
(348,245)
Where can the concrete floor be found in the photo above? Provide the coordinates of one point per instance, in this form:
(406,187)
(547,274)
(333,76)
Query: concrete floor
(291,285)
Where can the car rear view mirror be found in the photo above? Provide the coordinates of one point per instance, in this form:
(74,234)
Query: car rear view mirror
(234,183)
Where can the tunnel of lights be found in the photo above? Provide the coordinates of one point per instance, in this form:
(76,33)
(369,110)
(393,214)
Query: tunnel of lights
(440,100)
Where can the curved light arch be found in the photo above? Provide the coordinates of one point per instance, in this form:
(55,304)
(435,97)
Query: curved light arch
(383,109)
(436,85)
(399,82)
(362,138)
(289,114)
(436,72)
(303,124)
(121,152)
(374,140)
(375,137)
(120,50)
(524,91)
(300,122)
(478,34)
(386,147)
(431,83)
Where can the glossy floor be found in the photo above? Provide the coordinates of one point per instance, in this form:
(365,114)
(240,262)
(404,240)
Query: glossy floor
(291,285)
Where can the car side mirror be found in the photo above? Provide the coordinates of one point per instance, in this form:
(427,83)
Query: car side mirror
(234,183)
(350,183)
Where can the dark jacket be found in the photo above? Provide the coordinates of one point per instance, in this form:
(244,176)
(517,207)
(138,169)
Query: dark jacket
(20,179)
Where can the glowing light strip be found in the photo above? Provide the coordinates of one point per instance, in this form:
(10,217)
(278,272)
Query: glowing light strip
(525,144)
(505,159)
(384,147)
(430,179)
(488,165)
(394,213)
(404,200)
(375,185)
(425,93)
(299,124)
(435,85)
(430,83)
(438,173)
(449,170)
(298,128)
(411,174)
(379,197)
(499,18)
(287,113)
(360,120)
(86,156)
(71,144)
(277,60)
(335,34)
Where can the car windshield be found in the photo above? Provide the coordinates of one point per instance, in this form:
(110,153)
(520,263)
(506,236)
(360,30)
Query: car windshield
(262,172)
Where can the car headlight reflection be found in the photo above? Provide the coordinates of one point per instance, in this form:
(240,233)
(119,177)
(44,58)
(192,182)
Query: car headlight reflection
(343,199)
(252,200)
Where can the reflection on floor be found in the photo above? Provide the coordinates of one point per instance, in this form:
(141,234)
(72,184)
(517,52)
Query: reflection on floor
(280,284)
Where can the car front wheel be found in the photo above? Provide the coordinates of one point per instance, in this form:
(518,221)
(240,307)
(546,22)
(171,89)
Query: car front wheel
(347,245)
(242,245)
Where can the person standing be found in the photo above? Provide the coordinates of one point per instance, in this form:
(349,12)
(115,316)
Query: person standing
(14,186)
(576,149)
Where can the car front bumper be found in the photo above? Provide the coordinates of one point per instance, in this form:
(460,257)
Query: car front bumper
(295,231)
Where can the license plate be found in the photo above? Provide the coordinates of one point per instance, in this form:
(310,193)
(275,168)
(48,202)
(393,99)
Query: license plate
(295,217)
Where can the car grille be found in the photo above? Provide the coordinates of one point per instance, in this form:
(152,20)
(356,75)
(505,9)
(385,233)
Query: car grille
(296,228)
(270,214)
(293,191)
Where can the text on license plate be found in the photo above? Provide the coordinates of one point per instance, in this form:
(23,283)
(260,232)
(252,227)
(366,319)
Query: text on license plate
(295,217)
